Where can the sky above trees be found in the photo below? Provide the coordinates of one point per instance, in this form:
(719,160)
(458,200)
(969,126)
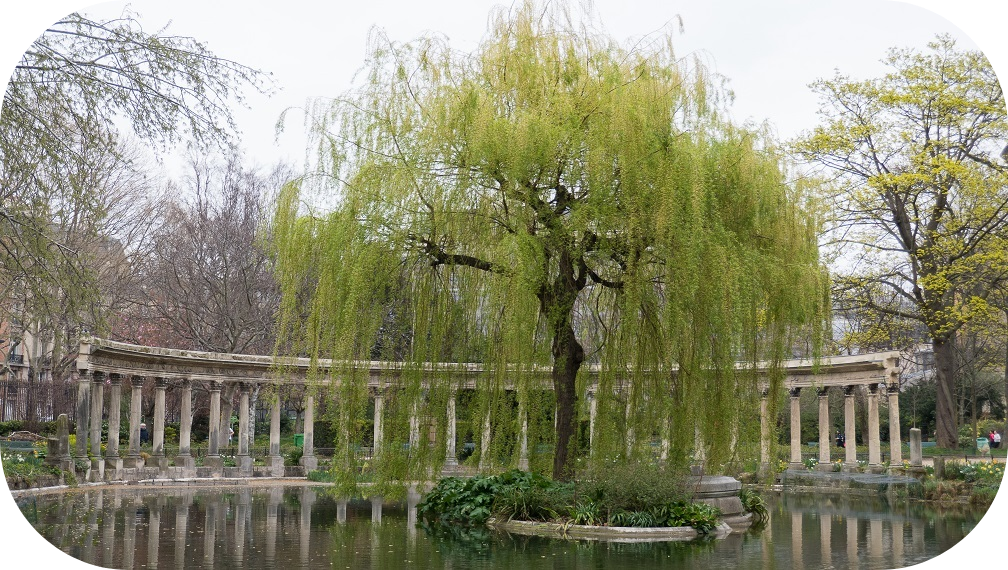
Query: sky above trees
(770,51)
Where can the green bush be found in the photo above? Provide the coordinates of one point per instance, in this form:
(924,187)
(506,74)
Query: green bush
(752,502)
(7,428)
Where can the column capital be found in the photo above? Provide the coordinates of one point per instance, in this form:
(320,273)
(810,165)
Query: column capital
(137,381)
(115,379)
(216,385)
(848,390)
(873,388)
(98,377)
(795,392)
(893,388)
(822,391)
(244,387)
(160,382)
(186,382)
(764,392)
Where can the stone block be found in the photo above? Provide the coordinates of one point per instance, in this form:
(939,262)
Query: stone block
(215,465)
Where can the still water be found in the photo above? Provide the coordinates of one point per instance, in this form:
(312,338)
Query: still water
(304,526)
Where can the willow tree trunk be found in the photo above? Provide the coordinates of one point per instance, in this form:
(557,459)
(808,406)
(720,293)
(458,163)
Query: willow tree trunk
(945,405)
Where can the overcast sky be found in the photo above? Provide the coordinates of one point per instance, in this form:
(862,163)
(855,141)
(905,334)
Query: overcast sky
(770,51)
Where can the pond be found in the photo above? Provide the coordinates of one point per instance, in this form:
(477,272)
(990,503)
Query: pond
(304,526)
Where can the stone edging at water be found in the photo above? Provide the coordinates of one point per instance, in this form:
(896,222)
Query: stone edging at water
(606,533)
(159,483)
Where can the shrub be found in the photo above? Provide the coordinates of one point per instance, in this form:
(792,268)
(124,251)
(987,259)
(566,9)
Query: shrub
(752,502)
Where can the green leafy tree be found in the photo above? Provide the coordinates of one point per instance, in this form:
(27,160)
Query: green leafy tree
(920,200)
(580,201)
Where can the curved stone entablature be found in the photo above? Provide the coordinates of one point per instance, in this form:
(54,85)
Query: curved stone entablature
(111,357)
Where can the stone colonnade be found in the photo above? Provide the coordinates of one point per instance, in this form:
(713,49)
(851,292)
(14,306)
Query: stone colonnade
(826,438)
(121,364)
(91,390)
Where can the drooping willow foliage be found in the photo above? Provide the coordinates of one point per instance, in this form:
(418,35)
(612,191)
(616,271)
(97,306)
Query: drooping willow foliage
(566,214)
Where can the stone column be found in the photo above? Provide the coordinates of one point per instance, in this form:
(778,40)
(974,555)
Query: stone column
(592,412)
(874,448)
(133,459)
(764,433)
(523,460)
(379,406)
(97,392)
(451,462)
(895,442)
(850,442)
(113,464)
(213,459)
(83,420)
(275,461)
(184,459)
(158,454)
(484,460)
(308,459)
(796,460)
(916,451)
(244,460)
(824,429)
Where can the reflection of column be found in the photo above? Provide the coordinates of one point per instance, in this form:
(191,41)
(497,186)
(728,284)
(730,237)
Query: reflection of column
(129,538)
(824,429)
(917,535)
(414,429)
(379,408)
(308,459)
(895,442)
(764,432)
(97,392)
(182,530)
(213,459)
(341,511)
(896,529)
(523,461)
(113,464)
(850,441)
(272,506)
(210,522)
(796,460)
(376,510)
(592,412)
(184,459)
(108,536)
(82,413)
(92,528)
(244,460)
(852,555)
(874,451)
(154,533)
(133,459)
(875,546)
(796,540)
(450,460)
(307,500)
(275,460)
(825,539)
(241,514)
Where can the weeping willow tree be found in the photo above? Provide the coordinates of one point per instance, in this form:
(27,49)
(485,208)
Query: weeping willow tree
(571,214)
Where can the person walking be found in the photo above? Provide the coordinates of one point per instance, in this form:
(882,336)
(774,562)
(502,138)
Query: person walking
(996,438)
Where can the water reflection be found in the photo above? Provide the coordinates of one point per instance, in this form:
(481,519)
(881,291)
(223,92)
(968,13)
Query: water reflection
(306,527)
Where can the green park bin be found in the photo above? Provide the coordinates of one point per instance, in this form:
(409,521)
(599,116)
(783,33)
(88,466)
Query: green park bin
(983,445)
(299,439)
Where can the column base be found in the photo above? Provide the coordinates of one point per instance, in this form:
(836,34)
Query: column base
(187,463)
(215,463)
(113,468)
(161,463)
(97,472)
(133,462)
(850,467)
(795,466)
(309,462)
(824,466)
(244,465)
(523,463)
(450,466)
(875,469)
(275,463)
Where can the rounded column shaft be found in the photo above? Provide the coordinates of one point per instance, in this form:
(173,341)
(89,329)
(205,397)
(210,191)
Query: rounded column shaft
(160,384)
(83,420)
(213,438)
(796,460)
(850,441)
(824,428)
(874,451)
(115,397)
(895,441)
(97,391)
